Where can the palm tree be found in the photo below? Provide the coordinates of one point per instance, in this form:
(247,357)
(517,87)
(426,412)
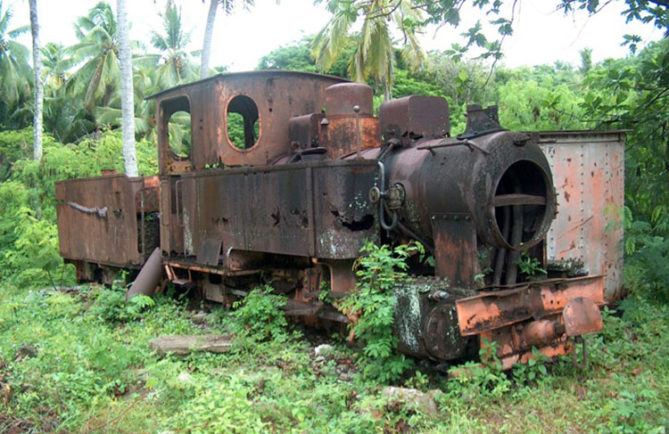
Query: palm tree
(14,67)
(145,81)
(175,64)
(64,116)
(127,100)
(374,55)
(39,86)
(172,65)
(55,67)
(98,77)
(227,6)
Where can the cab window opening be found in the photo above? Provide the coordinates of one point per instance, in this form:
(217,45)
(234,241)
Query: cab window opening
(243,125)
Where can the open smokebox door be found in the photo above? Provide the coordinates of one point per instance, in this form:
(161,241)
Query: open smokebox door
(582,254)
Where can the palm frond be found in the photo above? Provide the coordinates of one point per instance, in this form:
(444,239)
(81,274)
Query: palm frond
(330,41)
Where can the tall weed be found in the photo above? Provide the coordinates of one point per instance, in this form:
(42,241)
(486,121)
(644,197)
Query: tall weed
(372,306)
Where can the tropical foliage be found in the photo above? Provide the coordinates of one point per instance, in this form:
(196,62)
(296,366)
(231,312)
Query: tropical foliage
(82,81)
(15,76)
(81,362)
(176,64)
(373,57)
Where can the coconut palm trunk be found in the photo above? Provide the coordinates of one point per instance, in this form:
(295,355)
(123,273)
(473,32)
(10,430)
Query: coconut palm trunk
(208,35)
(39,85)
(127,98)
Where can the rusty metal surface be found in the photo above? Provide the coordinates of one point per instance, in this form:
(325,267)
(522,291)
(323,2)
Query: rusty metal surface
(480,121)
(491,310)
(171,233)
(468,180)
(345,134)
(539,333)
(98,218)
(149,276)
(511,350)
(304,131)
(315,209)
(413,117)
(588,168)
(278,95)
(426,320)
(341,99)
(582,316)
(455,252)
(349,125)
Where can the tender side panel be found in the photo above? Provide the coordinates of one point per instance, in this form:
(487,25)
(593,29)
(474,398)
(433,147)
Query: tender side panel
(588,169)
(97,220)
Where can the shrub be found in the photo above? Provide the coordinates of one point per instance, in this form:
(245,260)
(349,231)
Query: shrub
(110,305)
(29,254)
(379,270)
(259,315)
(647,253)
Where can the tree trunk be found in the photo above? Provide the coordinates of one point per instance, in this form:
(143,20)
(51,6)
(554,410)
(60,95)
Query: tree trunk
(387,90)
(208,35)
(127,98)
(39,86)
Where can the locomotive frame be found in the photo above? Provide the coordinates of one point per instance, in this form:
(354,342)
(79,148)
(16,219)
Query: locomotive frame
(318,174)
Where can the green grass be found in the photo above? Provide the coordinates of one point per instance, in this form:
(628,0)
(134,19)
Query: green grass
(92,371)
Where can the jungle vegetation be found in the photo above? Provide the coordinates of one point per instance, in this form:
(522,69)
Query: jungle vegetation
(80,362)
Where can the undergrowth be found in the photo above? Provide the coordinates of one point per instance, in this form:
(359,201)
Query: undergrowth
(80,361)
(259,315)
(379,270)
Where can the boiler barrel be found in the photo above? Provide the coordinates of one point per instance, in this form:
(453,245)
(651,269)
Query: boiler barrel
(492,179)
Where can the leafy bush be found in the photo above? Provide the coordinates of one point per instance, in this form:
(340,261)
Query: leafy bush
(110,305)
(532,371)
(629,341)
(530,266)
(372,306)
(647,253)
(14,146)
(259,314)
(484,379)
(225,407)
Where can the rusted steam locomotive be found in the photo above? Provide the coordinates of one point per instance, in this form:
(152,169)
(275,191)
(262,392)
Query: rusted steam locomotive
(315,175)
